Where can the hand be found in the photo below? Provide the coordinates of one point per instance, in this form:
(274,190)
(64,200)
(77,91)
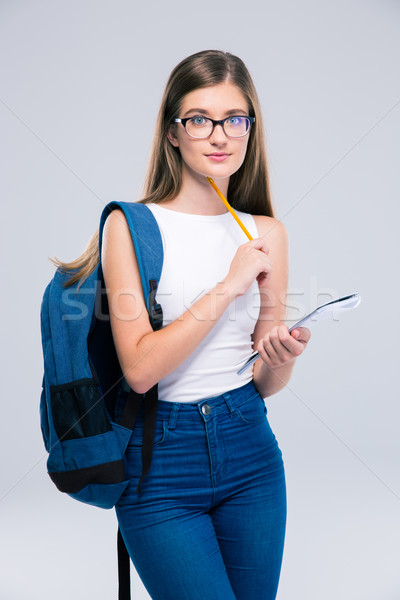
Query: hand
(279,347)
(249,263)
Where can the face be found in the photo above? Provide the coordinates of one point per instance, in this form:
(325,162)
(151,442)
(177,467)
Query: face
(217,156)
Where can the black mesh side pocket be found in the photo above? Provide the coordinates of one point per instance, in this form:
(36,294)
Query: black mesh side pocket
(78,410)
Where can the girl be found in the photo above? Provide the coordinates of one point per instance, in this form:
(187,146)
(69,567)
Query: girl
(209,523)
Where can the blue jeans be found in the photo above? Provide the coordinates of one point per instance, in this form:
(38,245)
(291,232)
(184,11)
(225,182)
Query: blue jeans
(209,523)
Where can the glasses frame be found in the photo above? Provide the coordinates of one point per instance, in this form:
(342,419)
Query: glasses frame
(214,122)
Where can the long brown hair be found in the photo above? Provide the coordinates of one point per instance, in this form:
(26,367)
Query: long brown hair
(248,189)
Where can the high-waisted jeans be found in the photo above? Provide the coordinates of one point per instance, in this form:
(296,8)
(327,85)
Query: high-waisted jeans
(209,523)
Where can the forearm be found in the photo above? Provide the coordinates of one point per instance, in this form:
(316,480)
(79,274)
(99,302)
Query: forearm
(159,353)
(269,381)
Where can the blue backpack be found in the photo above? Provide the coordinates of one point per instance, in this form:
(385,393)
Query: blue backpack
(87,410)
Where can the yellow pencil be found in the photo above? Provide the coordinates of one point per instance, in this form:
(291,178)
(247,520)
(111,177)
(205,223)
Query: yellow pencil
(229,207)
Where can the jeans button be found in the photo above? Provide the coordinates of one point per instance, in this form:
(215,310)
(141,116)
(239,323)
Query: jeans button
(206,409)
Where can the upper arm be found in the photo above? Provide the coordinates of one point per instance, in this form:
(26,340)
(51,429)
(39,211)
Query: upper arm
(273,295)
(128,314)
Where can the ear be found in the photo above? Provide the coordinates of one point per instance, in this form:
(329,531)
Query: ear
(171,135)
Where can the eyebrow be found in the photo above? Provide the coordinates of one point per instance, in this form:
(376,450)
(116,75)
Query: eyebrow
(234,111)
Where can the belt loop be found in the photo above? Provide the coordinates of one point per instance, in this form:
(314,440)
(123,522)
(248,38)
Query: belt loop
(173,415)
(228,401)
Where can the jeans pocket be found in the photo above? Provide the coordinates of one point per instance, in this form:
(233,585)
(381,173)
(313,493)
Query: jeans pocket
(160,434)
(253,410)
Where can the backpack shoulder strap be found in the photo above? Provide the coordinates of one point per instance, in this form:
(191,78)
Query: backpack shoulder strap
(148,246)
(147,242)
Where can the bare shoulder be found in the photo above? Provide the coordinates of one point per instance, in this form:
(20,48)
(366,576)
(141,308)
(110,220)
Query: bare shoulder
(273,230)
(116,231)
(117,247)
(115,221)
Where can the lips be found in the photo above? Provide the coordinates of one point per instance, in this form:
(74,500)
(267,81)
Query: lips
(218,156)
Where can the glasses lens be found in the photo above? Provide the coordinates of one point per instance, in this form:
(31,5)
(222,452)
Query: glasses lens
(236,126)
(199,127)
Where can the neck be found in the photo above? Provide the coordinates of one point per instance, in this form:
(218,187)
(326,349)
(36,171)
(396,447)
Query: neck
(197,197)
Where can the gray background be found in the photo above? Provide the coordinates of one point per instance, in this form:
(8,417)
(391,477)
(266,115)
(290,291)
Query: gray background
(81,84)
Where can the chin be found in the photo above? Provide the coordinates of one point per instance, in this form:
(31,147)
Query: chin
(219,175)
(221,171)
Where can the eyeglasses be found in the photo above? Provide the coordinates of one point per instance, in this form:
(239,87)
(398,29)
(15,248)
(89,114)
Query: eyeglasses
(200,127)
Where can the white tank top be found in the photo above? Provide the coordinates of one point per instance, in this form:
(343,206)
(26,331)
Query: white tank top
(198,250)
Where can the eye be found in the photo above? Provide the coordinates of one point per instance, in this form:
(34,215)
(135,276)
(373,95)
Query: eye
(199,121)
(235,121)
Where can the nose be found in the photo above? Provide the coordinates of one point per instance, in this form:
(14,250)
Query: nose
(218,135)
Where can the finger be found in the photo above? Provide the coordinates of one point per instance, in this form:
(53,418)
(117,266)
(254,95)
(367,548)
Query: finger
(263,278)
(281,344)
(270,352)
(259,244)
(264,354)
(287,340)
(301,334)
(265,266)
